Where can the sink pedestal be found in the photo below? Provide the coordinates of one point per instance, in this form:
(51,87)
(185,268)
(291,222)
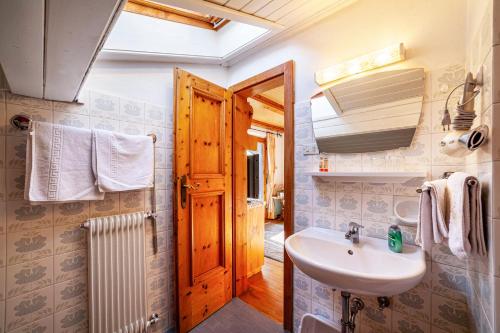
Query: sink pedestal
(349,312)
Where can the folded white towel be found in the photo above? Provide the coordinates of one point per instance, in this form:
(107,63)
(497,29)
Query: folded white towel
(122,162)
(466,236)
(432,226)
(58,164)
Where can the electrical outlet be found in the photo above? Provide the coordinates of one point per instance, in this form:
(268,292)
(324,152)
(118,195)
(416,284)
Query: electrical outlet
(311,150)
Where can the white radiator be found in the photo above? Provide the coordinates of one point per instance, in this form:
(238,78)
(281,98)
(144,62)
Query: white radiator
(117,276)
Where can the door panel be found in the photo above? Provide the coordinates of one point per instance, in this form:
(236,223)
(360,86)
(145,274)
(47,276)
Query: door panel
(207,230)
(207,134)
(203,225)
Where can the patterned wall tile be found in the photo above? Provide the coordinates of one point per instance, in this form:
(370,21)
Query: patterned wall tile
(29,276)
(15,184)
(445,79)
(402,323)
(43,325)
(69,119)
(69,237)
(302,283)
(71,213)
(131,201)
(415,303)
(29,245)
(450,282)
(131,110)
(25,309)
(70,293)
(157,115)
(109,206)
(132,128)
(318,309)
(104,124)
(303,220)
(449,315)
(38,114)
(104,105)
(43,246)
(15,152)
(74,319)
(70,265)
(377,208)
(23,216)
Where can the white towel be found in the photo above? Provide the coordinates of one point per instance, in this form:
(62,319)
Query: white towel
(432,226)
(466,236)
(122,162)
(58,164)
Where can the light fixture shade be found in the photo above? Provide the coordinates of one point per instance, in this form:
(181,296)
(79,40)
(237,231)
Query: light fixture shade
(384,57)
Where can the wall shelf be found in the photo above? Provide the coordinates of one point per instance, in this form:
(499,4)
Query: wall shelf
(372,176)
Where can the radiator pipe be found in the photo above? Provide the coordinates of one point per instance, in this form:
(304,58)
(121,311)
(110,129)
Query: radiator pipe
(86,224)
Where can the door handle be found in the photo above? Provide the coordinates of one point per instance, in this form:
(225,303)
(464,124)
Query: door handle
(191,187)
(184,188)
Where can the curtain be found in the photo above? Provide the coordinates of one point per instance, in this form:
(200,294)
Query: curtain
(271,169)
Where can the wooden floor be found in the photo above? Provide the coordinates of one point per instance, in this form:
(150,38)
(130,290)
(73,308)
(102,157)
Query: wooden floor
(266,290)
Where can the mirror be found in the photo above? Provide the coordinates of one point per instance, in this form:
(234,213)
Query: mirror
(371,113)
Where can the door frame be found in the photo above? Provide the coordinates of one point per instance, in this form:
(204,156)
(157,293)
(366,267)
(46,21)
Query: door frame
(284,73)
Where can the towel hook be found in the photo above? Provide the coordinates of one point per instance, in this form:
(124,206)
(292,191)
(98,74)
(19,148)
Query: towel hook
(153,136)
(21,121)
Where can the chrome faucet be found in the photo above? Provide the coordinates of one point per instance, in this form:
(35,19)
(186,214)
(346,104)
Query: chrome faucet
(353,232)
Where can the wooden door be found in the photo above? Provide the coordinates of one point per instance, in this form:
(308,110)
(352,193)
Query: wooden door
(203,198)
(242,119)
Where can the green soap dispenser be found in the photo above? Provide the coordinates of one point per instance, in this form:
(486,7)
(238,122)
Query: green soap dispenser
(395,239)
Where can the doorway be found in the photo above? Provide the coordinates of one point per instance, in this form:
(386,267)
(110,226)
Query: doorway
(212,192)
(263,191)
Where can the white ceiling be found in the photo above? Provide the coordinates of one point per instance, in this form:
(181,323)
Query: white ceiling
(47,47)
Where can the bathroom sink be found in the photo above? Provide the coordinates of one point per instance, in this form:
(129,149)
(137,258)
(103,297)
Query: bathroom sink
(367,268)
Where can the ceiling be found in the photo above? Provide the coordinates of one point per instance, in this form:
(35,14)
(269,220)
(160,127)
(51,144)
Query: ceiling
(281,18)
(47,47)
(277,95)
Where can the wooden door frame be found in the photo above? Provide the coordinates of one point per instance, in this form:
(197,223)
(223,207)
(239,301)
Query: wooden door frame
(282,73)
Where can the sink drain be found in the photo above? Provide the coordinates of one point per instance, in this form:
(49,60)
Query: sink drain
(350,252)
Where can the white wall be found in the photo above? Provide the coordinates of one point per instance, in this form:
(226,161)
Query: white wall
(432,31)
(149,82)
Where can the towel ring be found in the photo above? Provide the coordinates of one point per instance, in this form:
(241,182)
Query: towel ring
(20,122)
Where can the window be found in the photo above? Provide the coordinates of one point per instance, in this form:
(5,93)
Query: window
(175,14)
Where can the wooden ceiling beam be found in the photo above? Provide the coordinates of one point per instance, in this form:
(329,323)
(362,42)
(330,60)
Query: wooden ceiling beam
(267,126)
(261,87)
(269,102)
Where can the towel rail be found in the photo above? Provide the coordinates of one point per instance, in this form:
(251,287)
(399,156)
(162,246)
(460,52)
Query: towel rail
(470,182)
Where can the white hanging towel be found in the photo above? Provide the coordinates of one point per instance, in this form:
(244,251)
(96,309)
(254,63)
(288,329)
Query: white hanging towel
(122,162)
(466,233)
(432,226)
(59,164)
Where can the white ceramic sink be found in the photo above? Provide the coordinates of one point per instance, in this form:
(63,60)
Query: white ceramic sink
(371,269)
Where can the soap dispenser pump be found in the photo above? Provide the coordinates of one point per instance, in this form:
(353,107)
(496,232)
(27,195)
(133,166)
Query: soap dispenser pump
(395,239)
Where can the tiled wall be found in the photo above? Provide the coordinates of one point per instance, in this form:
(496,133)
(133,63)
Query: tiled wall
(43,264)
(455,295)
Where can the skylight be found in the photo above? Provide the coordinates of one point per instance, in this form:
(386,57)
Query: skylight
(175,14)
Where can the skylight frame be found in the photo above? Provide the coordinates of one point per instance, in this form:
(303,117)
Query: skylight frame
(175,14)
